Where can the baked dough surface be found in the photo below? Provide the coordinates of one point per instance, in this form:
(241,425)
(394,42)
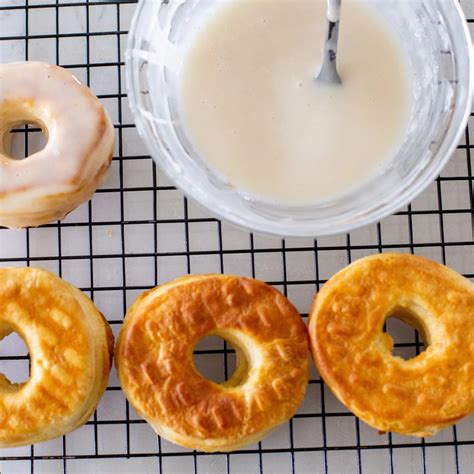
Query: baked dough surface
(415,397)
(154,357)
(70,346)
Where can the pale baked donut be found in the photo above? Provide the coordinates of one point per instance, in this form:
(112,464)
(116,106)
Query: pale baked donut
(51,183)
(154,358)
(414,397)
(70,346)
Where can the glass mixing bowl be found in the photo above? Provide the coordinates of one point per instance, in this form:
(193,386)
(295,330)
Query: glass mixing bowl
(436,40)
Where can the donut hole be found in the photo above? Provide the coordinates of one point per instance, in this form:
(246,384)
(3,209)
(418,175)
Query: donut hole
(215,358)
(14,360)
(407,333)
(24,140)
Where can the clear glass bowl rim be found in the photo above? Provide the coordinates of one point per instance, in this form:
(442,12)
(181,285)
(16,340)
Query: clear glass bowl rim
(308,228)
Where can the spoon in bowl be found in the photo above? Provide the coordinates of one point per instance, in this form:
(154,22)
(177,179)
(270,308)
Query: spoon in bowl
(328,72)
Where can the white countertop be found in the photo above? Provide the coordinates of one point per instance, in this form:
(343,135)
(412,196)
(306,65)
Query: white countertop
(137,232)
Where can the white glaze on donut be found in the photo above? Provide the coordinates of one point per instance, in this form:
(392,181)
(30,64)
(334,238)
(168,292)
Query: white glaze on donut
(52,182)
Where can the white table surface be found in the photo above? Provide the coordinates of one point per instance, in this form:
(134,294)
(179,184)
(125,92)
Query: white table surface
(137,232)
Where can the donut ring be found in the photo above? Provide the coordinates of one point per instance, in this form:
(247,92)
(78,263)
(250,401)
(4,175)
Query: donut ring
(52,182)
(70,346)
(415,397)
(154,358)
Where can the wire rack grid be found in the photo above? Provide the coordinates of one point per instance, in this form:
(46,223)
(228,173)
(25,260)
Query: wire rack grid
(139,231)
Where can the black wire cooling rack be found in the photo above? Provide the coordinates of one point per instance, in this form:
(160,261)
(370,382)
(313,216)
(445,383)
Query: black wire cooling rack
(139,231)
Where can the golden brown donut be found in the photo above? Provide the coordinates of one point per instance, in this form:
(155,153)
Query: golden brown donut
(415,397)
(154,358)
(49,184)
(70,346)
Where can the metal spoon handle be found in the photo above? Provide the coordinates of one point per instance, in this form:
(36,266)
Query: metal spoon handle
(328,72)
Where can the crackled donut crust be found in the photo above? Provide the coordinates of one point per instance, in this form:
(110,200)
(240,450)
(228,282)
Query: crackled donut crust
(52,182)
(154,358)
(70,346)
(414,397)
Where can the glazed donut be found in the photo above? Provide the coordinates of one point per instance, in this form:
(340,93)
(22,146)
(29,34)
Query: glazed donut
(353,354)
(52,182)
(154,358)
(70,346)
